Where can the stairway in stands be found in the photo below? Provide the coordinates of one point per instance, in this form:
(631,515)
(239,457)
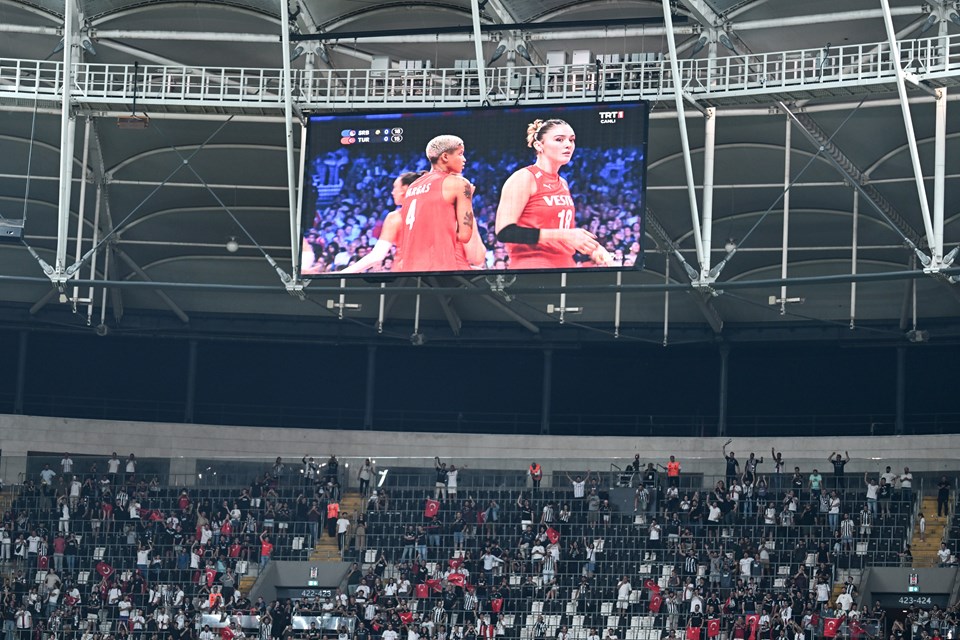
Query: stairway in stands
(325,549)
(925,552)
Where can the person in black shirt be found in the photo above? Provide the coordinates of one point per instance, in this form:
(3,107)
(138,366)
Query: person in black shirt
(441,479)
(838,464)
(733,465)
(943,497)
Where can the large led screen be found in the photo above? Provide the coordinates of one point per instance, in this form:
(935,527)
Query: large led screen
(544,188)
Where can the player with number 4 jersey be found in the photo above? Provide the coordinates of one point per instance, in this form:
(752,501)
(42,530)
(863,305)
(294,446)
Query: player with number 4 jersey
(536,218)
(438,232)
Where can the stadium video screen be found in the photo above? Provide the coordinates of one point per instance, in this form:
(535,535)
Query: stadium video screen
(533,188)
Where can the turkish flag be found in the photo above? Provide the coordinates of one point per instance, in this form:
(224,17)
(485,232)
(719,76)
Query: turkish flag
(830,627)
(713,628)
(406,617)
(454,563)
(434,585)
(226,633)
(456,579)
(431,509)
(857,631)
(752,621)
(651,584)
(553,535)
(104,569)
(693,633)
(422,590)
(656,602)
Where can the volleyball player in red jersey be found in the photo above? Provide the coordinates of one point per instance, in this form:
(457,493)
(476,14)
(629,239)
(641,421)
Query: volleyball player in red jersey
(390,229)
(536,215)
(438,232)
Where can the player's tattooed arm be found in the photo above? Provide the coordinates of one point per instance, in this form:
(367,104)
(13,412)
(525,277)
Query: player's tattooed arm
(467,219)
(464,209)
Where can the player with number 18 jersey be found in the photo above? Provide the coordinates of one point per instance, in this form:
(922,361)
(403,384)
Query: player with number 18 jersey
(550,207)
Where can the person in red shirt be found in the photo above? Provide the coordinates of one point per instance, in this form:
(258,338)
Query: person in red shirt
(438,232)
(536,218)
(266,549)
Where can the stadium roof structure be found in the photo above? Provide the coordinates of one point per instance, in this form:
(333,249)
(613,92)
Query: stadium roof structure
(808,94)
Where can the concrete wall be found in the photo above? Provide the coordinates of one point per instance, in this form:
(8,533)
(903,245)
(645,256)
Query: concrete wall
(184,443)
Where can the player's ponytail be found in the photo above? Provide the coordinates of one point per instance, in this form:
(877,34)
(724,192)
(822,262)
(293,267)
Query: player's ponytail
(539,128)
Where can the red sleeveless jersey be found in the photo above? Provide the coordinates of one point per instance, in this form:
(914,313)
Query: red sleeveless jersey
(427,239)
(551,207)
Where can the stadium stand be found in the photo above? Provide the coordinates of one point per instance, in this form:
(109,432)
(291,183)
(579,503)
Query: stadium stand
(116,547)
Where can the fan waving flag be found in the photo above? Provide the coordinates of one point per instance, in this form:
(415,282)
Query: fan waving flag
(553,535)
(830,627)
(651,584)
(753,620)
(713,628)
(693,633)
(656,602)
(456,579)
(431,509)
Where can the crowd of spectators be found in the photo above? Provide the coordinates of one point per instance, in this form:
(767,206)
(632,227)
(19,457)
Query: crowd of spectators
(607,192)
(97,553)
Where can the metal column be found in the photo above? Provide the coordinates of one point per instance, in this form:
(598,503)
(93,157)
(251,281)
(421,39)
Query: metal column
(478,48)
(722,405)
(787,151)
(901,390)
(68,125)
(21,373)
(371,386)
(682,121)
(288,130)
(547,391)
(189,405)
(908,122)
(709,145)
(939,173)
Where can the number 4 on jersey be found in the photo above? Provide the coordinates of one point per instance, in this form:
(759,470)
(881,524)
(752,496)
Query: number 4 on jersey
(411,214)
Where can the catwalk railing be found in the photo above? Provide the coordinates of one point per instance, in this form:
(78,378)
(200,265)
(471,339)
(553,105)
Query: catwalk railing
(850,69)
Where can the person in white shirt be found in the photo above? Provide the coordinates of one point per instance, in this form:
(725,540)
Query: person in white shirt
(623,593)
(389,633)
(943,555)
(66,463)
(746,565)
(343,525)
(906,486)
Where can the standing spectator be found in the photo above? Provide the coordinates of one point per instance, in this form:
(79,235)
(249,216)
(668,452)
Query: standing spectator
(130,467)
(922,524)
(452,477)
(750,467)
(943,497)
(733,465)
(266,549)
(778,467)
(66,464)
(24,622)
(673,472)
(579,485)
(833,512)
(343,526)
(440,483)
(365,475)
(798,483)
(885,495)
(536,474)
(816,485)
(113,467)
(873,493)
(838,463)
(906,487)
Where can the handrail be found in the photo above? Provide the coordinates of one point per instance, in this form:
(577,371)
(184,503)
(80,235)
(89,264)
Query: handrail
(735,77)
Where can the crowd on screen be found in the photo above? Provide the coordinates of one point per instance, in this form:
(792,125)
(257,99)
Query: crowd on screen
(606,190)
(106,552)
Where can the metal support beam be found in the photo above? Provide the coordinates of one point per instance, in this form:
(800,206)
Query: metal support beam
(685,142)
(184,318)
(709,146)
(908,122)
(286,78)
(189,407)
(784,248)
(448,311)
(939,173)
(724,377)
(67,137)
(854,244)
(901,391)
(21,372)
(368,398)
(478,47)
(547,390)
(82,208)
